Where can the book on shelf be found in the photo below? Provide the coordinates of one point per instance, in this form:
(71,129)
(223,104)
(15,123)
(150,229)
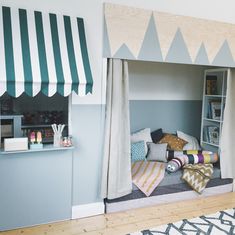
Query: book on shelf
(205,134)
(211,134)
(214,109)
(211,85)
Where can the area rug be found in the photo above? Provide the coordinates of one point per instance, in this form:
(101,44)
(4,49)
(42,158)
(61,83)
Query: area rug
(222,222)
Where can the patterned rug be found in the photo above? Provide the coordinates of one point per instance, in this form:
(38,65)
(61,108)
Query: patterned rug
(222,222)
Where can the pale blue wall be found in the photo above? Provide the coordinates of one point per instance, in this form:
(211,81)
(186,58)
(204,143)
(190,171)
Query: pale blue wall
(35,188)
(87,130)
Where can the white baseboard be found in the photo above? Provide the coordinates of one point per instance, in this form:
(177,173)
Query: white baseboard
(86,210)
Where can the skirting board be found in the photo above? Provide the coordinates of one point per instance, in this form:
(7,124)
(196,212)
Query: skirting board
(86,210)
(166,198)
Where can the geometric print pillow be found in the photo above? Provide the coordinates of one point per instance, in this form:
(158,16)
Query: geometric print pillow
(138,151)
(197,176)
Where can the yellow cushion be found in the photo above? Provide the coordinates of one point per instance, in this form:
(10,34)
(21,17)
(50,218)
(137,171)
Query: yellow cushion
(174,142)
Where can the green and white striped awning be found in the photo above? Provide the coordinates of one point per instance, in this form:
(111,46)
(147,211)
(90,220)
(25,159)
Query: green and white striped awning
(42,52)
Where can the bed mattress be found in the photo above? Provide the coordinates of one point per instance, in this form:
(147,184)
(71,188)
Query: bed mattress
(175,178)
(172,183)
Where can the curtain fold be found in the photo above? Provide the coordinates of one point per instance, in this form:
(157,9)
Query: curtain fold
(227,144)
(116,173)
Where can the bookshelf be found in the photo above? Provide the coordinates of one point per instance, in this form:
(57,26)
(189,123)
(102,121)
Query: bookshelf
(214,98)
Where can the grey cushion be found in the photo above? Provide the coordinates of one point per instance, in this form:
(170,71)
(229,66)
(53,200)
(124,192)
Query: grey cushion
(157,152)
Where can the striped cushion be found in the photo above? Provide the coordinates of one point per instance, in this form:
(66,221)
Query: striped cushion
(172,154)
(177,162)
(147,175)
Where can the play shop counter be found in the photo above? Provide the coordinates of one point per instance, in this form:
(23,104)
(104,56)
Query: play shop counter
(35,186)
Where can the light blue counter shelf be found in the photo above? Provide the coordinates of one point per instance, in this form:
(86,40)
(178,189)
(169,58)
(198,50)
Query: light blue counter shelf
(45,148)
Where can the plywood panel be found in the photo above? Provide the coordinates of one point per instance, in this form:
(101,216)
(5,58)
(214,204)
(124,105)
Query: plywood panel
(126,25)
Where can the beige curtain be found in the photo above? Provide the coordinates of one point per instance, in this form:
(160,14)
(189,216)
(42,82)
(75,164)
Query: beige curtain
(116,173)
(227,141)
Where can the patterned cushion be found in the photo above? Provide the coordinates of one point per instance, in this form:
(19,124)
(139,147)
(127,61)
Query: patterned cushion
(142,135)
(177,162)
(174,142)
(197,176)
(138,151)
(172,154)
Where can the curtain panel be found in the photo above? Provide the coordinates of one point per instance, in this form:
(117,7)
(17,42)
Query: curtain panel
(227,145)
(116,174)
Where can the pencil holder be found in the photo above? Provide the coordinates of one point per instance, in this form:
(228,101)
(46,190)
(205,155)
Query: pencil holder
(57,140)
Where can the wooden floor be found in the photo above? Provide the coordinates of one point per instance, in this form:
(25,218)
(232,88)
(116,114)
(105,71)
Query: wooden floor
(133,220)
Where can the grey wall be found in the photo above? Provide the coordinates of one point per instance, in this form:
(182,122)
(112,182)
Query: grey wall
(170,115)
(35,188)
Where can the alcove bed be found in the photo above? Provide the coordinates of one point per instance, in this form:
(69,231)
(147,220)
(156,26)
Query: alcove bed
(166,73)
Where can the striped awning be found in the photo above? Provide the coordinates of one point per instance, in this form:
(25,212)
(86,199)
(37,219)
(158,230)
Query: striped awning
(42,52)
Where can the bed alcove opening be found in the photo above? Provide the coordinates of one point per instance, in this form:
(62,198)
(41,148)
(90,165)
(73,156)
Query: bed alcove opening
(167,96)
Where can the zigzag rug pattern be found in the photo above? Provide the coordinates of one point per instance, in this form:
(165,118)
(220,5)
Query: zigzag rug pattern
(222,222)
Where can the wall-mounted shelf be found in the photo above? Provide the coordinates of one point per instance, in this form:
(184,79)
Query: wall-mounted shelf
(212,120)
(214,98)
(207,143)
(45,148)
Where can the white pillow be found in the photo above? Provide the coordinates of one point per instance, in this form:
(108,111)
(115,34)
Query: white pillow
(192,141)
(142,135)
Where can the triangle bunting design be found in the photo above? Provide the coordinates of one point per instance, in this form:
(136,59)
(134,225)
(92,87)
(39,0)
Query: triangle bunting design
(202,57)
(224,56)
(124,53)
(178,52)
(150,49)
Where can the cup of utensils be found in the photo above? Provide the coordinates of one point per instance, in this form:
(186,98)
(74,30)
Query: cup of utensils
(60,141)
(57,129)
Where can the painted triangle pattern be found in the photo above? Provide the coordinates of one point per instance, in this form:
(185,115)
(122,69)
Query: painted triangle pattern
(224,56)
(106,44)
(202,57)
(178,51)
(222,222)
(161,43)
(150,49)
(124,53)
